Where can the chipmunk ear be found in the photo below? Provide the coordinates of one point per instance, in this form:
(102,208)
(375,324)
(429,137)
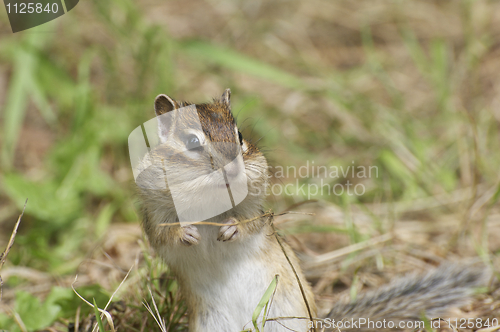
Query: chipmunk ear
(164,104)
(226,98)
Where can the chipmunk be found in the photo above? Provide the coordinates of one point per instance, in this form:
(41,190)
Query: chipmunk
(202,169)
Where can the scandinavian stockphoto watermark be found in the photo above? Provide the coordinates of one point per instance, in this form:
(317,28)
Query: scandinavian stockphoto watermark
(384,324)
(312,180)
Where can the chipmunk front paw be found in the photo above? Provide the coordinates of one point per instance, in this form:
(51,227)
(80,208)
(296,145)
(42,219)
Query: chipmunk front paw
(229,232)
(189,235)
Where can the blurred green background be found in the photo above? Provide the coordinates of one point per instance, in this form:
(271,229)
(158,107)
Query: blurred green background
(411,87)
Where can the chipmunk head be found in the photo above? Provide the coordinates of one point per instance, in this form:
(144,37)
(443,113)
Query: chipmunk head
(192,129)
(201,162)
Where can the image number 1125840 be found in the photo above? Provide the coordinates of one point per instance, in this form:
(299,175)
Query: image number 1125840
(26,14)
(30,8)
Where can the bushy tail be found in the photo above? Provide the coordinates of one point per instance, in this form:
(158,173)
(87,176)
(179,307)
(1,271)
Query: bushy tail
(409,297)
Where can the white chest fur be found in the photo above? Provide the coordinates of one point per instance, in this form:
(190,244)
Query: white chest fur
(224,281)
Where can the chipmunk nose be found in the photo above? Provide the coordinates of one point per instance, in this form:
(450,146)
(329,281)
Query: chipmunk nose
(234,168)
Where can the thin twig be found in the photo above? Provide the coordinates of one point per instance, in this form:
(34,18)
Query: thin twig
(271,217)
(77,318)
(107,314)
(10,244)
(267,214)
(332,255)
(159,321)
(116,290)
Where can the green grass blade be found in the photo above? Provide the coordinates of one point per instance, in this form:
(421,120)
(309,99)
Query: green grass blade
(25,64)
(263,302)
(98,317)
(236,61)
(16,105)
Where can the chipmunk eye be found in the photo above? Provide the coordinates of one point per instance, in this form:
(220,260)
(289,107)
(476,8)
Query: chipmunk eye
(193,143)
(240,137)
